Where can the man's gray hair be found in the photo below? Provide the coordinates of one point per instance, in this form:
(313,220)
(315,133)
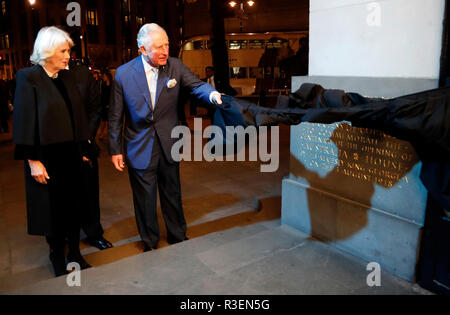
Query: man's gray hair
(47,41)
(143,39)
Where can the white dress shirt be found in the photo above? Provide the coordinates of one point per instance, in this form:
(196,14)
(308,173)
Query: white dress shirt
(152,79)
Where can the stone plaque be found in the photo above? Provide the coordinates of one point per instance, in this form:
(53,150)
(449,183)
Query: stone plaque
(359,164)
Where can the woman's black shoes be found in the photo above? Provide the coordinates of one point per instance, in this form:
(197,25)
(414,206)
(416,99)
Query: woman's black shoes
(58,260)
(59,263)
(76,257)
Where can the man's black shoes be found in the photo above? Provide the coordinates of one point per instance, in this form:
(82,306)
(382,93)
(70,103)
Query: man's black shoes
(100,243)
(148,248)
(172,241)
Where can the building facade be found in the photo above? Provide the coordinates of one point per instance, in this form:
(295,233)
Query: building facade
(106,34)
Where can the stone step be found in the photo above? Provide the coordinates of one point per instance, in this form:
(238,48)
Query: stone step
(97,279)
(234,255)
(259,259)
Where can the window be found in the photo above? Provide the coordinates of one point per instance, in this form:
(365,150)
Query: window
(238,44)
(92,17)
(238,73)
(198,44)
(3,7)
(188,46)
(257,44)
(277,43)
(7,41)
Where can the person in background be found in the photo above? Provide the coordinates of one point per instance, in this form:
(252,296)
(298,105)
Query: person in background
(209,72)
(90,222)
(12,87)
(98,81)
(104,103)
(51,133)
(301,58)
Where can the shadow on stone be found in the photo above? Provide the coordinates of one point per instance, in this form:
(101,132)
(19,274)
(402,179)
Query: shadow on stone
(359,168)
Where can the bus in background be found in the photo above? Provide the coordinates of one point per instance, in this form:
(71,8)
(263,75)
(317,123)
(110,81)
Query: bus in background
(253,59)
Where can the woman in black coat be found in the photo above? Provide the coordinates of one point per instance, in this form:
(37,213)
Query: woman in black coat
(51,133)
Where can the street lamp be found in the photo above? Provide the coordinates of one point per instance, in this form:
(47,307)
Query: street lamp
(242,14)
(234,3)
(32,2)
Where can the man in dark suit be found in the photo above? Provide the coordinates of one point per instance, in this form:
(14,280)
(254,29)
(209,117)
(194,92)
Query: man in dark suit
(90,95)
(146,91)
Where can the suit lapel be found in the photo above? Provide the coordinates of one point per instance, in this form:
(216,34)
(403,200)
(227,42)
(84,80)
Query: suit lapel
(141,81)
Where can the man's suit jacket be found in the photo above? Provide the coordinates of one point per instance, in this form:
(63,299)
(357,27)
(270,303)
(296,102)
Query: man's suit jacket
(90,95)
(130,97)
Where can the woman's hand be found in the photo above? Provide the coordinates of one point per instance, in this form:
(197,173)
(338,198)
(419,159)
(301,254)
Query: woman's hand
(38,172)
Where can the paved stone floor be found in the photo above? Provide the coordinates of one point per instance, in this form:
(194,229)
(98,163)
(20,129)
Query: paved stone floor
(219,201)
(216,196)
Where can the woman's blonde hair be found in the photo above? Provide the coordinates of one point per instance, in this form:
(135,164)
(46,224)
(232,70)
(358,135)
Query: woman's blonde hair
(47,41)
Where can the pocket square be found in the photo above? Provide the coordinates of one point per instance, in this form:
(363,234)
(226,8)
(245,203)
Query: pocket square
(171,83)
